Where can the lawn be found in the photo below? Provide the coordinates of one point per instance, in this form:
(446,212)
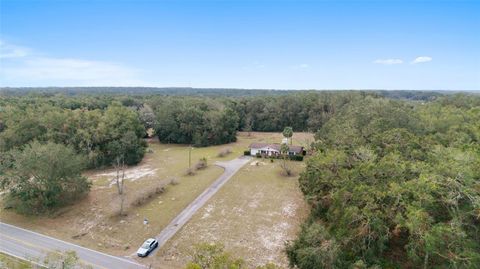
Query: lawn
(92,222)
(253,215)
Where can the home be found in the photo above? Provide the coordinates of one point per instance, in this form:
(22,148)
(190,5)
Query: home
(267,149)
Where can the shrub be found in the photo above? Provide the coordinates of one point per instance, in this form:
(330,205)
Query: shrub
(190,172)
(258,155)
(201,164)
(296,157)
(146,195)
(247,153)
(174,181)
(213,256)
(224,152)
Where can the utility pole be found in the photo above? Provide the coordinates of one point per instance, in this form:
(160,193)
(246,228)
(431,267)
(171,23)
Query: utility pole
(190,157)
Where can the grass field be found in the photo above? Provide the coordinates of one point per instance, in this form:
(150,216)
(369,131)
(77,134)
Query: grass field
(253,215)
(92,222)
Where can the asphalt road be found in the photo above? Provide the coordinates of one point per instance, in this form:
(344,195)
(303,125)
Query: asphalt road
(231,167)
(26,244)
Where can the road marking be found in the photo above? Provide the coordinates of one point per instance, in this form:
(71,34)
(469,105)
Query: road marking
(68,243)
(48,250)
(25,243)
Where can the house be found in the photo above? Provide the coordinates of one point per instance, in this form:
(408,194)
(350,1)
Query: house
(273,149)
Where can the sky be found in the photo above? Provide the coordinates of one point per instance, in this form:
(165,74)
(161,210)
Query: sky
(391,44)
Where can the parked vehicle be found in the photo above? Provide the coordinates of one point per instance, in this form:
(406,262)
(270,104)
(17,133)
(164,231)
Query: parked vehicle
(147,247)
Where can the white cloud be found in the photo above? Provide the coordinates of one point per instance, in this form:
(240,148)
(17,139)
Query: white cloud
(11,51)
(30,69)
(388,61)
(422,59)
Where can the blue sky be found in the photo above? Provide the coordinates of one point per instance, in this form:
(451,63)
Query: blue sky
(241,44)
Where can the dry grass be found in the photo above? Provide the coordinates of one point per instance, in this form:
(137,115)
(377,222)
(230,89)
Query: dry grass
(252,215)
(7,261)
(92,222)
(89,222)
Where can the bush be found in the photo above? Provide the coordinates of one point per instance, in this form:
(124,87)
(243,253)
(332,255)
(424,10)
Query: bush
(190,172)
(213,256)
(258,155)
(201,164)
(247,153)
(296,157)
(224,152)
(146,195)
(174,181)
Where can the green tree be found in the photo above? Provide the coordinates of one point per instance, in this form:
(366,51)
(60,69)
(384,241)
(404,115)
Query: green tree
(392,183)
(288,133)
(43,177)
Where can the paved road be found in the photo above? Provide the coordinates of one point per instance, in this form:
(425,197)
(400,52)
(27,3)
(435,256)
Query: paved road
(231,167)
(27,244)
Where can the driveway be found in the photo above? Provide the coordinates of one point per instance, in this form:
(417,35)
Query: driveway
(26,244)
(231,167)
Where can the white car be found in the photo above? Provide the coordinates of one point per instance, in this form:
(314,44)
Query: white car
(147,247)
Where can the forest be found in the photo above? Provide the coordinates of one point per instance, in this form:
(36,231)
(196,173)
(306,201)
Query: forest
(394,180)
(394,185)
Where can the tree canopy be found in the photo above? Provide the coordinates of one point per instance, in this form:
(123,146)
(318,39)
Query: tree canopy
(43,176)
(394,184)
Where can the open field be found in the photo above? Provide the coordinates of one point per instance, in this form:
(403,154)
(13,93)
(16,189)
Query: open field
(252,215)
(93,223)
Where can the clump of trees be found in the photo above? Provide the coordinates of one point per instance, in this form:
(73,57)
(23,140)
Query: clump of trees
(41,177)
(195,121)
(45,145)
(93,133)
(394,184)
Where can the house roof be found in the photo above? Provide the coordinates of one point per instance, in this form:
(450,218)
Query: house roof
(276,146)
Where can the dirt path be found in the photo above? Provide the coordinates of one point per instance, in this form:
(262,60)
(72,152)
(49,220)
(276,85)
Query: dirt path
(231,167)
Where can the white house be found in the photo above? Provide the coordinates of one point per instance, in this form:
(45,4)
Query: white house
(273,149)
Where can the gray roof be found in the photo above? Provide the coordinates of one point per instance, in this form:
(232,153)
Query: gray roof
(276,146)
